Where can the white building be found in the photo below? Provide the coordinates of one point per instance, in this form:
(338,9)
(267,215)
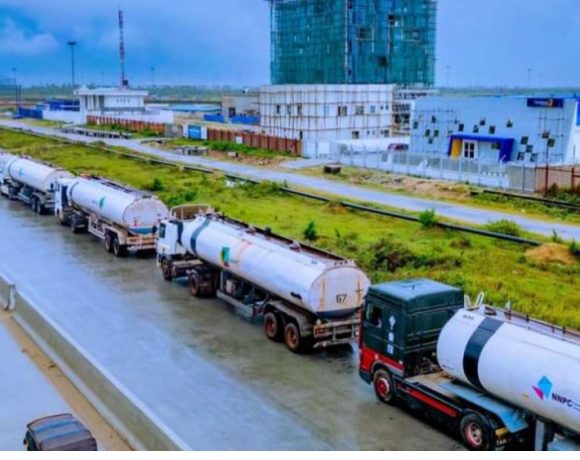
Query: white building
(321,114)
(501,129)
(121,103)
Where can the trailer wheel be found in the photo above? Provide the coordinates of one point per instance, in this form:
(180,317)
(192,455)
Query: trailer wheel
(166,270)
(73,225)
(34,205)
(273,327)
(39,208)
(118,249)
(477,433)
(194,283)
(109,243)
(294,340)
(384,387)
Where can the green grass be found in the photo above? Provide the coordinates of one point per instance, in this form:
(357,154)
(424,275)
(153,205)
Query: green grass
(385,248)
(222,146)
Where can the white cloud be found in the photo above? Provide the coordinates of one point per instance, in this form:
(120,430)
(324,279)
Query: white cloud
(15,41)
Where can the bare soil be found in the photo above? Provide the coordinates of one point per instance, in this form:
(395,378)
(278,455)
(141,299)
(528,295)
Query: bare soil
(107,437)
(551,253)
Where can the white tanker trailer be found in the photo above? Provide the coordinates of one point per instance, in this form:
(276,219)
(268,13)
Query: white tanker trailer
(30,181)
(308,298)
(124,218)
(494,375)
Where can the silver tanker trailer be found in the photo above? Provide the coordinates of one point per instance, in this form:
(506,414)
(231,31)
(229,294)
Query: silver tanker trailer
(307,297)
(124,218)
(30,181)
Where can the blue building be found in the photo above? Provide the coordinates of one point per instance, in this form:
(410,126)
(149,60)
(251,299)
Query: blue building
(498,129)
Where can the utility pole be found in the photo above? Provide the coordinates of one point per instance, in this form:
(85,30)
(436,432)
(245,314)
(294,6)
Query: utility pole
(72,45)
(152,76)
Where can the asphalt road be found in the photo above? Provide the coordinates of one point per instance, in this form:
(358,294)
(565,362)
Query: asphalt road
(457,212)
(211,377)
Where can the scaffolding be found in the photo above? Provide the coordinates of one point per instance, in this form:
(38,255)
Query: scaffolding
(353,42)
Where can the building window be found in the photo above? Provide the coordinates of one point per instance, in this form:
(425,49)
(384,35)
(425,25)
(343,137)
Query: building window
(546,135)
(492,130)
(359,110)
(433,119)
(510,123)
(482,122)
(415,125)
(299,110)
(476,129)
(551,143)
(356,134)
(278,109)
(427,132)
(342,111)
(289,110)
(521,156)
(495,146)
(530,149)
(461,127)
(373,109)
(524,140)
(534,158)
(436,133)
(430,141)
(469,149)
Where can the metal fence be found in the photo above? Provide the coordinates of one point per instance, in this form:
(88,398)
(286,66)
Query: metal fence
(512,176)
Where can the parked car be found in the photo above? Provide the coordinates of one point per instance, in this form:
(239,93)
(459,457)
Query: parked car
(58,433)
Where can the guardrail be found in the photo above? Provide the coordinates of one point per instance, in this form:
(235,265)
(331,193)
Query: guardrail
(141,428)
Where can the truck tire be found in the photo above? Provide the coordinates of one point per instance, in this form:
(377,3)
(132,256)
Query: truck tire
(273,327)
(294,340)
(73,225)
(384,387)
(166,270)
(119,250)
(39,208)
(477,433)
(34,205)
(109,243)
(194,284)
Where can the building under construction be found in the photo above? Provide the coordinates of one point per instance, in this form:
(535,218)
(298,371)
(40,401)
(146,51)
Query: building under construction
(353,41)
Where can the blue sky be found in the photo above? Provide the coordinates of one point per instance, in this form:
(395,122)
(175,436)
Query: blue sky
(484,42)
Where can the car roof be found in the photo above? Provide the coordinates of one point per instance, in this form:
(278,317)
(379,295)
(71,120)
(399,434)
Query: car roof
(61,432)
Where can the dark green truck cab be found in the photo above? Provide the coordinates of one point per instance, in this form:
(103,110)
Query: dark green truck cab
(401,324)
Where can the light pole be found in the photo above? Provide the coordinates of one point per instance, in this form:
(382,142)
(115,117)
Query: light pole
(152,76)
(72,45)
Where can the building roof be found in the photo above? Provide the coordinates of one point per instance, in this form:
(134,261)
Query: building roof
(111,91)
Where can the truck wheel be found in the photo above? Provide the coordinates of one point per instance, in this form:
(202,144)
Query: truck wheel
(194,283)
(109,243)
(39,208)
(477,433)
(294,340)
(34,204)
(273,327)
(166,270)
(118,249)
(384,387)
(73,225)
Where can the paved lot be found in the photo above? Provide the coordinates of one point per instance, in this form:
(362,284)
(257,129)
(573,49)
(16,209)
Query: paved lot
(25,393)
(452,211)
(211,377)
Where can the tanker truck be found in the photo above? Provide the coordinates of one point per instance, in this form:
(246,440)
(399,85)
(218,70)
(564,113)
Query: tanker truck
(30,181)
(125,219)
(496,377)
(306,298)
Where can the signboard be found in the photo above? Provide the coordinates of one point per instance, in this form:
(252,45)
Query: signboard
(197,132)
(546,103)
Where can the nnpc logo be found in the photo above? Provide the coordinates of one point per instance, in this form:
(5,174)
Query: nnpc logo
(544,388)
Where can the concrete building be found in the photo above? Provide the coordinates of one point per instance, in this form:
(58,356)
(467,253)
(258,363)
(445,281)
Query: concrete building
(319,114)
(353,41)
(503,129)
(120,103)
(244,104)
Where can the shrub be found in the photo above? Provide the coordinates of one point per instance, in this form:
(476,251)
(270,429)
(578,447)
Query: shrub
(310,233)
(574,248)
(428,218)
(505,227)
(156,185)
(556,238)
(390,255)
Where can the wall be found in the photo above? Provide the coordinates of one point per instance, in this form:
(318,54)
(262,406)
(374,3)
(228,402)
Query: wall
(161,116)
(65,116)
(436,118)
(242,104)
(311,112)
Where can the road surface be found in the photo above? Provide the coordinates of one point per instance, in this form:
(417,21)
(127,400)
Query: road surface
(453,211)
(211,377)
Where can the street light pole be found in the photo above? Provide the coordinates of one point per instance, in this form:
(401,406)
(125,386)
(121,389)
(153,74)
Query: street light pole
(72,45)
